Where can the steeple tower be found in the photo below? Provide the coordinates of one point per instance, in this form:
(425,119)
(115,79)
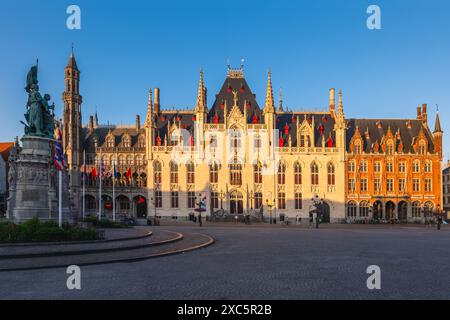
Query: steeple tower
(269,106)
(437,136)
(72,124)
(149,118)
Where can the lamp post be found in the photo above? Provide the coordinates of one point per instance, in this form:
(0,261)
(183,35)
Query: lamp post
(270,206)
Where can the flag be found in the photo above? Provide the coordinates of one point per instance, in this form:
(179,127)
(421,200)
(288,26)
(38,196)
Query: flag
(114,170)
(58,154)
(94,173)
(128,173)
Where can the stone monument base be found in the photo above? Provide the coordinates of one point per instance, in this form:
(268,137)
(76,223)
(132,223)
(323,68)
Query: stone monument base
(34,183)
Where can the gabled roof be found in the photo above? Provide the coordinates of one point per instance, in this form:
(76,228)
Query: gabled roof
(245,94)
(5,149)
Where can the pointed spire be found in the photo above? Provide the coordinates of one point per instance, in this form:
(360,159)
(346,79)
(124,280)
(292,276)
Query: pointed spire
(149,107)
(95,120)
(201,99)
(340,105)
(437,128)
(72,62)
(269,106)
(281,101)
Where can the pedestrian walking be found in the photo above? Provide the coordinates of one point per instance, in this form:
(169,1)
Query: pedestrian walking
(439,222)
(200,219)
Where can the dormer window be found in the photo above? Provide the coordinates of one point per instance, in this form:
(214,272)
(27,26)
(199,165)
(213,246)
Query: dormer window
(110,142)
(126,142)
(357,147)
(390,148)
(422,147)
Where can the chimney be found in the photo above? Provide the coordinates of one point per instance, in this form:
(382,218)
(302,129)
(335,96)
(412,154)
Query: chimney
(332,99)
(138,122)
(424,113)
(419,113)
(156,101)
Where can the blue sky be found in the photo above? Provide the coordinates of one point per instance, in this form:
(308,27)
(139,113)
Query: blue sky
(126,47)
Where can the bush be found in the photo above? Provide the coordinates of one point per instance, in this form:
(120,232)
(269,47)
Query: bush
(36,231)
(104,223)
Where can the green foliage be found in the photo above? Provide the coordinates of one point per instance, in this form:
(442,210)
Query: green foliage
(35,230)
(104,223)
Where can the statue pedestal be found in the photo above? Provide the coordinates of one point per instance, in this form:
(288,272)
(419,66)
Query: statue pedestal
(34,187)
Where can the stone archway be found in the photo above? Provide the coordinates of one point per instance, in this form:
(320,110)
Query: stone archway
(236,203)
(403,211)
(140,205)
(390,211)
(326,212)
(377,210)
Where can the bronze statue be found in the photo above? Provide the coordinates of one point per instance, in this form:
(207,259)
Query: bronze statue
(40,115)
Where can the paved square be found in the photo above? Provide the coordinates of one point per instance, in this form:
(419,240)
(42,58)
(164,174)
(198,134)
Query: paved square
(265,263)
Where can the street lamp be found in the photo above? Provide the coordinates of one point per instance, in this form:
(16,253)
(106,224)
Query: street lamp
(270,206)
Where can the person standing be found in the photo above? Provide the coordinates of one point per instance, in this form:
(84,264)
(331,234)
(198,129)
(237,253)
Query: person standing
(200,219)
(439,222)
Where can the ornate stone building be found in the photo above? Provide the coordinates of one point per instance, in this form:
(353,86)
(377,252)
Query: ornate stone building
(242,158)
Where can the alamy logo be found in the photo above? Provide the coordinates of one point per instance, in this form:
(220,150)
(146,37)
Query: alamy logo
(374,281)
(74,280)
(374,20)
(74,19)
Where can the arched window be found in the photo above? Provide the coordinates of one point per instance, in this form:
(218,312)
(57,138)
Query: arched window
(129,160)
(281,173)
(157,172)
(428,209)
(121,160)
(297,173)
(416,210)
(236,174)
(190,173)
(257,173)
(428,166)
(331,176)
(305,141)
(138,161)
(351,209)
(314,174)
(235,136)
(214,173)
(364,209)
(416,166)
(173,173)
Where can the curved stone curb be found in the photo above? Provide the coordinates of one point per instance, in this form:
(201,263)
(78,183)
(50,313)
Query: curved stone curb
(178,237)
(31,244)
(210,241)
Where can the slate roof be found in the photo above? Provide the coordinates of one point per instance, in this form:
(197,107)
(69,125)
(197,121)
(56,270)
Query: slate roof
(409,131)
(102,132)
(244,95)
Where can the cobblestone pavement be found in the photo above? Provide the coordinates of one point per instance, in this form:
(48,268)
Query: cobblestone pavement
(265,263)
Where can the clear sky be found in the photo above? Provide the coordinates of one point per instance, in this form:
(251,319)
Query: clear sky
(126,47)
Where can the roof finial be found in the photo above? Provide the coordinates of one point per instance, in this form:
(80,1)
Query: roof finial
(201,99)
(281,100)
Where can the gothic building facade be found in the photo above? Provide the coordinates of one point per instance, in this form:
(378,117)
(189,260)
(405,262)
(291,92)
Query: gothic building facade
(245,159)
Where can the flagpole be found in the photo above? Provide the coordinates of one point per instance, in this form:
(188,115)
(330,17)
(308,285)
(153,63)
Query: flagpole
(60,199)
(114,194)
(100,189)
(84,184)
